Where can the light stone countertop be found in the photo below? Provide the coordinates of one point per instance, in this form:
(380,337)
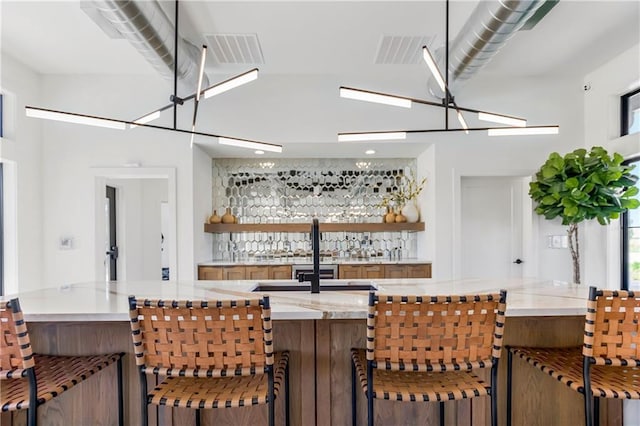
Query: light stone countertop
(109,301)
(308,261)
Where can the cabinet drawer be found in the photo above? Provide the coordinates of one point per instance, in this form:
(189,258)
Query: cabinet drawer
(209,273)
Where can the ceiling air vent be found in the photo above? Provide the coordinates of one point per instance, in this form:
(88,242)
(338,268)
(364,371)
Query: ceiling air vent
(401,49)
(235,48)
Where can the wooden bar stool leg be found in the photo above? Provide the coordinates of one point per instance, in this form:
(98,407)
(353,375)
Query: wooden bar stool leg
(441,413)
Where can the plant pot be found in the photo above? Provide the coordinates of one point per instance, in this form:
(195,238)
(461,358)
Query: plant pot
(410,211)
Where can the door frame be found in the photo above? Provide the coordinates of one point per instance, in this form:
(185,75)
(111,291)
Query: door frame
(101,176)
(529,222)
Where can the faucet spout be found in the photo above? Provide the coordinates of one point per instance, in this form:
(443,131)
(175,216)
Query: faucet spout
(315,241)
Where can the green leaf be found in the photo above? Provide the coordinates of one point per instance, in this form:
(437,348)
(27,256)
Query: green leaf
(549,200)
(631,192)
(549,171)
(572,183)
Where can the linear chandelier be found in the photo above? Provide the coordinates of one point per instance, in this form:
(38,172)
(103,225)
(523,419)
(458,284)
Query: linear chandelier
(144,120)
(517,125)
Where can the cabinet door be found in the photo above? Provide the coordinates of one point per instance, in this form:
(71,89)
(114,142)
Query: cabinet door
(233,273)
(372,271)
(349,271)
(256,273)
(419,271)
(281,272)
(395,271)
(209,273)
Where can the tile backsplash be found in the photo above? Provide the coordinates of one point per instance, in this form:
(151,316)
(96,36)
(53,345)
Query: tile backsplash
(295,191)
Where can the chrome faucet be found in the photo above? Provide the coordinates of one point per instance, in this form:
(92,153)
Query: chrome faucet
(314,278)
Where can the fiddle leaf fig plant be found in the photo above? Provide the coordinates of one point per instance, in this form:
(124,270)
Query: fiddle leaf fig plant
(583,186)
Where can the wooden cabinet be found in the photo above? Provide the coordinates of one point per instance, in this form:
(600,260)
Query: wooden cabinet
(233,272)
(256,273)
(414,270)
(395,271)
(240,272)
(209,273)
(419,271)
(360,271)
(281,272)
(345,271)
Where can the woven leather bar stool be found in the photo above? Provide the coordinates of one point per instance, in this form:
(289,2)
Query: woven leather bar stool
(209,354)
(607,364)
(424,349)
(28,380)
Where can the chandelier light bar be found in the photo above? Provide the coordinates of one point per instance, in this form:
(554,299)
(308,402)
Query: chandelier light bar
(243,143)
(231,83)
(371,136)
(145,119)
(114,123)
(433,67)
(519,131)
(203,57)
(462,121)
(502,119)
(70,117)
(367,96)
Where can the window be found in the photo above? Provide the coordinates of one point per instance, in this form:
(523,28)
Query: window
(1,235)
(630,279)
(630,113)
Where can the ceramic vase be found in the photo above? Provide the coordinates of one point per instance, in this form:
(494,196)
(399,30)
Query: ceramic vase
(410,211)
(390,217)
(227,217)
(214,218)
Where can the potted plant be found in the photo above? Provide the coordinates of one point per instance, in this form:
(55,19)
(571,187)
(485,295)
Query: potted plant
(404,198)
(583,186)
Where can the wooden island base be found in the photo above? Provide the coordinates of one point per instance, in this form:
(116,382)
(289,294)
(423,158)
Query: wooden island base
(320,380)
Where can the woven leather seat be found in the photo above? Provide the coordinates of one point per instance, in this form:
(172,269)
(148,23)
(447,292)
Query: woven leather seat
(424,349)
(30,380)
(608,361)
(208,354)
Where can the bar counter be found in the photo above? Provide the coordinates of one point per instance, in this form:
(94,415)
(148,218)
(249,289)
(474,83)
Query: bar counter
(319,330)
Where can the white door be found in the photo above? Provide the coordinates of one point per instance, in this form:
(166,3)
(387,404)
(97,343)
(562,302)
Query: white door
(491,227)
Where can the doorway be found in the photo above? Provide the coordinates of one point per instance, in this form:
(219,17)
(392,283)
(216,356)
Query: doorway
(492,237)
(145,232)
(112,242)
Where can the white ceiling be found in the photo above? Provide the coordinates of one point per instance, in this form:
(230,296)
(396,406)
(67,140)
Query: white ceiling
(327,43)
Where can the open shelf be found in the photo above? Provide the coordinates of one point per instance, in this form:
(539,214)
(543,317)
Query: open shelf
(306,227)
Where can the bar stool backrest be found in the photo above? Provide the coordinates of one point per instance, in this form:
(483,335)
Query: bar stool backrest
(423,333)
(16,354)
(612,327)
(193,337)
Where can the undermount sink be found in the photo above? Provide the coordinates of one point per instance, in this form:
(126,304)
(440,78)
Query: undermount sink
(325,285)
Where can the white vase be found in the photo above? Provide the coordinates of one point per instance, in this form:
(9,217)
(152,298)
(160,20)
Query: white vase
(410,211)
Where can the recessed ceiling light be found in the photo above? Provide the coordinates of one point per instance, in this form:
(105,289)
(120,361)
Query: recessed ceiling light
(370,152)
(259,152)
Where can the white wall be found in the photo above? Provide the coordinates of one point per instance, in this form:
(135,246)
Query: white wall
(73,150)
(21,150)
(542,102)
(602,128)
(202,206)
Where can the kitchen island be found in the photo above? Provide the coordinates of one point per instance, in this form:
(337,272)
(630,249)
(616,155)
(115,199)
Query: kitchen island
(319,330)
